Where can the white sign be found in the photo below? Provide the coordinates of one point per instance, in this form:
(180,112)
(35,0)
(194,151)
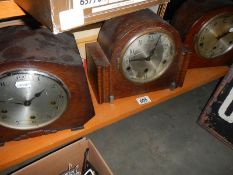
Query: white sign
(222,110)
(143,100)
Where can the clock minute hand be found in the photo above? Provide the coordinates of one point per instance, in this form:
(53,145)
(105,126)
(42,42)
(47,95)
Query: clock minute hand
(1,101)
(222,35)
(28,102)
(152,52)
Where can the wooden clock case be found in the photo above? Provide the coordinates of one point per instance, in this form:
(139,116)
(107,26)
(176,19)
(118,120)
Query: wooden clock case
(107,80)
(190,18)
(23,48)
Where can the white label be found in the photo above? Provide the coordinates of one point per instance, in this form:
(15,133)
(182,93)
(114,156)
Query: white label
(116,5)
(71,18)
(222,110)
(23,84)
(88,3)
(231,30)
(143,100)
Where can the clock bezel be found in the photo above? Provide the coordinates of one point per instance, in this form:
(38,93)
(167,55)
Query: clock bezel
(195,59)
(135,37)
(205,23)
(47,75)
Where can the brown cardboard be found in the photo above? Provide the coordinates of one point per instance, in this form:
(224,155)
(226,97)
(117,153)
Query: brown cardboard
(59,161)
(47,11)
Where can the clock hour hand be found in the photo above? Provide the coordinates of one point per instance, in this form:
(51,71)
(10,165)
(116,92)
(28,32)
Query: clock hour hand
(2,101)
(138,59)
(28,102)
(151,52)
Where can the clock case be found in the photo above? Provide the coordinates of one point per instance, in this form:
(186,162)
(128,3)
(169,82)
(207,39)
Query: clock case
(105,76)
(23,48)
(190,18)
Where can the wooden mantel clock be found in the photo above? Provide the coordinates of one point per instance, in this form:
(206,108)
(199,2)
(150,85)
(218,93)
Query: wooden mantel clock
(43,87)
(135,53)
(206,27)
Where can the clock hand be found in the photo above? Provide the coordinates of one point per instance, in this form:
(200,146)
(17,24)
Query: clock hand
(139,59)
(222,35)
(28,102)
(152,52)
(1,101)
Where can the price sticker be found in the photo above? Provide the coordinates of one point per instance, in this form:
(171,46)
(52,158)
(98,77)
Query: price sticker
(143,100)
(23,84)
(88,3)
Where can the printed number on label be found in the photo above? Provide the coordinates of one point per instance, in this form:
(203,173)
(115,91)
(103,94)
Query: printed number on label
(85,2)
(88,3)
(143,100)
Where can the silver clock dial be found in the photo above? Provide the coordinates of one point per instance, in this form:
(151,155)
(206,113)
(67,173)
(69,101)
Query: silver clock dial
(147,57)
(216,37)
(30,99)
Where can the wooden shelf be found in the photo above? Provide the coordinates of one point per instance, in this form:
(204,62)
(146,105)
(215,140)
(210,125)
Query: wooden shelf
(15,152)
(10,9)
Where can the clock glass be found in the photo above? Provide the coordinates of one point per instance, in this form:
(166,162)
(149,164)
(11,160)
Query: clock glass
(31,99)
(147,56)
(215,38)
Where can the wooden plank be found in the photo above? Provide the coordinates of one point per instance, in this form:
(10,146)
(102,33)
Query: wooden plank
(17,151)
(9,9)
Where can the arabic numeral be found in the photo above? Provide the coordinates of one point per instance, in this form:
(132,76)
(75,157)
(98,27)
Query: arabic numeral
(143,100)
(82,2)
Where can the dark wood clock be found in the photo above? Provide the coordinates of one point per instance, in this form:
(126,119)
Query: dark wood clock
(206,28)
(43,87)
(135,53)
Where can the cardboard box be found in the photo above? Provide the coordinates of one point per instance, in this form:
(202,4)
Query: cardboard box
(63,15)
(68,157)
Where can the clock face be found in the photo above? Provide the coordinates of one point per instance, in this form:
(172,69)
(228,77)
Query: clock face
(216,37)
(30,99)
(147,56)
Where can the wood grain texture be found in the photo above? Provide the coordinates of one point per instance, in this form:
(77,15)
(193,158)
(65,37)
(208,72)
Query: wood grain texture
(211,120)
(9,9)
(26,49)
(113,43)
(188,21)
(98,68)
(14,152)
